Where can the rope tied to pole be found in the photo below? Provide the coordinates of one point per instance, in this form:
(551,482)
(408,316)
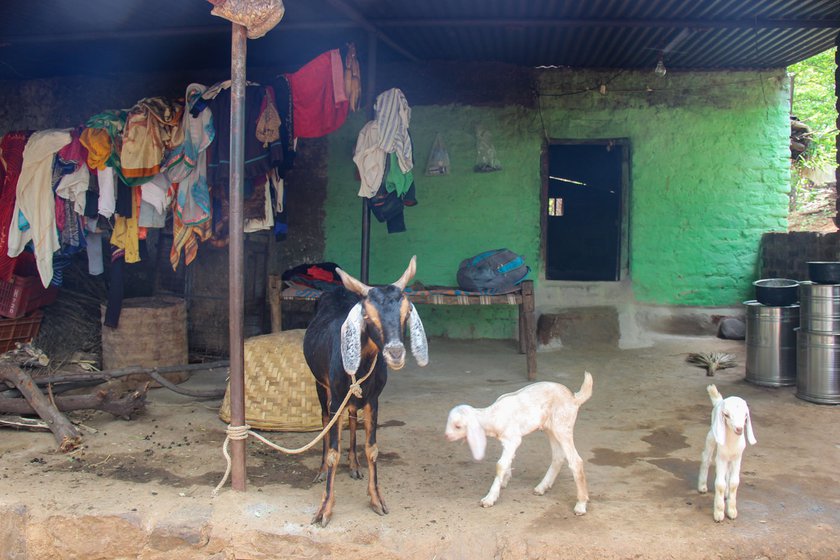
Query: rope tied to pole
(242,432)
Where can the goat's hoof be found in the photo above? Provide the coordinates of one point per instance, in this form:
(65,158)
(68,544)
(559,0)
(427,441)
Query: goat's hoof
(718,515)
(320,477)
(539,491)
(379,509)
(356,474)
(487,503)
(580,508)
(732,513)
(703,489)
(321,519)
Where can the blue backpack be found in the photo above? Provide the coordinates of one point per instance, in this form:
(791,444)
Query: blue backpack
(492,272)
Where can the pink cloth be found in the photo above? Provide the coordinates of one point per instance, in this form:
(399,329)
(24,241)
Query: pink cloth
(316,111)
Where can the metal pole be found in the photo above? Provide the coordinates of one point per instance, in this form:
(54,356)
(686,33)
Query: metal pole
(369,97)
(238,49)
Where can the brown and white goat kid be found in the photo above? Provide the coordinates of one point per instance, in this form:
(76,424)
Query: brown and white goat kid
(546,406)
(730,431)
(358,329)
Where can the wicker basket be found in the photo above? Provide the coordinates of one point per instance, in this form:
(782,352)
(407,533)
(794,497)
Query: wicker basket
(280,391)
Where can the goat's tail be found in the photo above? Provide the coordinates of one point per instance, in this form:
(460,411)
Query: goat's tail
(714,394)
(585,390)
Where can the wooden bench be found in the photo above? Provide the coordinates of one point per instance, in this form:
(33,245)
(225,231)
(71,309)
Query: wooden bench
(523,297)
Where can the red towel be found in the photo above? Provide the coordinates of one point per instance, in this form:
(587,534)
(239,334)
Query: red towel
(316,111)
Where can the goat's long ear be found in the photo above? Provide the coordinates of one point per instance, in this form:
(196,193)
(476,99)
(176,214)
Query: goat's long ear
(476,437)
(352,284)
(351,340)
(419,345)
(750,434)
(408,274)
(719,424)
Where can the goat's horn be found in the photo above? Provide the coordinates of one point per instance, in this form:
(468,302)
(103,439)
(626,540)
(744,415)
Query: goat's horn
(352,284)
(408,274)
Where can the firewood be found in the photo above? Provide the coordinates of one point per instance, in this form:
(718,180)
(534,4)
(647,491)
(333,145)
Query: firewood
(67,436)
(19,422)
(107,401)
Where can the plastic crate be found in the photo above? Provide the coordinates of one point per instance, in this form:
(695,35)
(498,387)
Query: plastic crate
(22,329)
(24,292)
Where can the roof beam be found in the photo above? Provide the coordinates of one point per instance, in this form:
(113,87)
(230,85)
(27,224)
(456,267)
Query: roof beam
(367,25)
(756,23)
(164,32)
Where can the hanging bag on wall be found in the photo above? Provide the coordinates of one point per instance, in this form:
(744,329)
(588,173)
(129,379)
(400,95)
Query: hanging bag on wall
(485,158)
(492,272)
(438,162)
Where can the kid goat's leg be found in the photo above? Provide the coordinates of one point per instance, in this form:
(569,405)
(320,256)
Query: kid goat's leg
(721,471)
(708,451)
(509,448)
(734,480)
(557,457)
(576,466)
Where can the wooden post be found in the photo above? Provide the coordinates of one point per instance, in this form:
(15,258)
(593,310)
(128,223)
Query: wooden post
(236,264)
(275,301)
(528,328)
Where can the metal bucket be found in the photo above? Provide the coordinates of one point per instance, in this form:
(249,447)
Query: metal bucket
(818,367)
(820,307)
(771,344)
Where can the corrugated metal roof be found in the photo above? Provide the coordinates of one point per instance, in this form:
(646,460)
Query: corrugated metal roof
(56,37)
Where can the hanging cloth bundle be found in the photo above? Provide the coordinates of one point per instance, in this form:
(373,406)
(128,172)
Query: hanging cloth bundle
(258,16)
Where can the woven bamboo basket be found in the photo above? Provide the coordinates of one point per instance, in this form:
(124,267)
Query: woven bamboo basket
(280,392)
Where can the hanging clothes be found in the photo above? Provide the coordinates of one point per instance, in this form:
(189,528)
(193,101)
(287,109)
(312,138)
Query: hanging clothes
(11,162)
(284,103)
(369,158)
(352,78)
(36,202)
(320,103)
(126,234)
(258,159)
(97,142)
(152,126)
(393,116)
(187,164)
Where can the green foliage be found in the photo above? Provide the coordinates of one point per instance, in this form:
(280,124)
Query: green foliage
(814,104)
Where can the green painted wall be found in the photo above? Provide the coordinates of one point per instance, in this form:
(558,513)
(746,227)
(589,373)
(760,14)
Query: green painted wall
(709,175)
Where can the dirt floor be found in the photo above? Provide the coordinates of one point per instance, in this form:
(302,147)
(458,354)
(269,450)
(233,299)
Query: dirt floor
(141,488)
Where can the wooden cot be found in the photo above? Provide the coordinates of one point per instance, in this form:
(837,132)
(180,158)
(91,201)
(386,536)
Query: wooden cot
(523,297)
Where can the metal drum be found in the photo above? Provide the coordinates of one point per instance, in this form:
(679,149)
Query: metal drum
(818,367)
(771,344)
(820,307)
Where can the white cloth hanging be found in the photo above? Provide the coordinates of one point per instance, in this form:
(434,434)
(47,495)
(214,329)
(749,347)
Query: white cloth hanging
(369,158)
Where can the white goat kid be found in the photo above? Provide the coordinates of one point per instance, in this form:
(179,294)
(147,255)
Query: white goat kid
(546,406)
(730,430)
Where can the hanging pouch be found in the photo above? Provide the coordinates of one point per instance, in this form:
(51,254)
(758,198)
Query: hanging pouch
(438,163)
(485,160)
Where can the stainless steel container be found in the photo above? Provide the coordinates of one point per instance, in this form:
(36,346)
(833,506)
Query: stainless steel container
(819,307)
(818,367)
(771,344)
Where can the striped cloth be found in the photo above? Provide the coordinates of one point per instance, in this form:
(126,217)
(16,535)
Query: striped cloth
(392,117)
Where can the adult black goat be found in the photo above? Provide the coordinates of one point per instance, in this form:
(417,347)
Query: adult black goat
(358,329)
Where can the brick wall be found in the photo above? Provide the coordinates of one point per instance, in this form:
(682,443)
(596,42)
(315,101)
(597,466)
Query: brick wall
(786,255)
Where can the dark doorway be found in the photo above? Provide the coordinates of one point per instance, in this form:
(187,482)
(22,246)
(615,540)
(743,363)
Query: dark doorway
(584,210)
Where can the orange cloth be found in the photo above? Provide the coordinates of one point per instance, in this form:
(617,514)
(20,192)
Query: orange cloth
(98,145)
(186,238)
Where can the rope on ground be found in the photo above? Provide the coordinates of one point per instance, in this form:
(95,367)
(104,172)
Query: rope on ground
(242,432)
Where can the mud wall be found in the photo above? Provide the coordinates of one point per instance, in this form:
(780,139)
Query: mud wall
(709,176)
